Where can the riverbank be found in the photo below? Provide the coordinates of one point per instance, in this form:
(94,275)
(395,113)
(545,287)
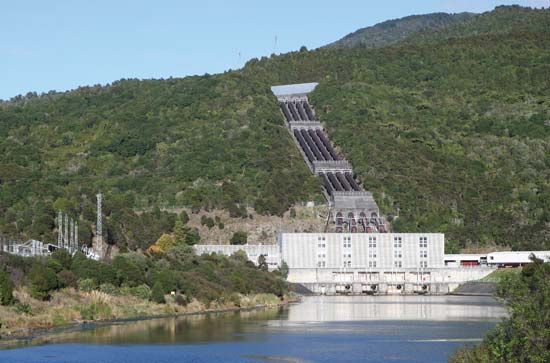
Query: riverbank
(70,308)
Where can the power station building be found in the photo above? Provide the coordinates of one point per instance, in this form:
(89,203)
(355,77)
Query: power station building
(356,253)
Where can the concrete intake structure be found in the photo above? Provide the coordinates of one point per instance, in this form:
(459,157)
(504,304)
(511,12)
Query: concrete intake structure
(352,209)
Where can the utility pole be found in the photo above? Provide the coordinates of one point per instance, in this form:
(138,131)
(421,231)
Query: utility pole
(99,227)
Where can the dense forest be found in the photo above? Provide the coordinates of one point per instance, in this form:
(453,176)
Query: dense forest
(450,128)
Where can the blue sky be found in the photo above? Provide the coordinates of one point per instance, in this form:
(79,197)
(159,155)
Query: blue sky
(62,44)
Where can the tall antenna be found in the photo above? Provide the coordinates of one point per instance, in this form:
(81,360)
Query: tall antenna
(59,229)
(99,226)
(275,46)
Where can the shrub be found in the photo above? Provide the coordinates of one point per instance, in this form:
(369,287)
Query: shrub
(95,310)
(108,288)
(127,271)
(157,294)
(42,281)
(6,289)
(87,285)
(85,268)
(63,257)
(23,308)
(167,280)
(239,238)
(292,213)
(182,299)
(67,278)
(207,221)
(262,263)
(141,291)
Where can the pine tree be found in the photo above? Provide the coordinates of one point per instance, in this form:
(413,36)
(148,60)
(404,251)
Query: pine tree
(180,231)
(157,294)
(6,289)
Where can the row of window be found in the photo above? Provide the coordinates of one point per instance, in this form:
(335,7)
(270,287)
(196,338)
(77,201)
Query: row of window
(372,254)
(397,242)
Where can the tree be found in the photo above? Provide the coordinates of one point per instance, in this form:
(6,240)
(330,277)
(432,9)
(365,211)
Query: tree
(283,269)
(239,238)
(63,257)
(43,280)
(127,271)
(6,289)
(180,231)
(184,217)
(163,244)
(157,294)
(262,263)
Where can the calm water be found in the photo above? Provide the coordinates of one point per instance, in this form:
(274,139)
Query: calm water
(321,329)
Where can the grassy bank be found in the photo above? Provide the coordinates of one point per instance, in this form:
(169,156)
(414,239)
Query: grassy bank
(62,289)
(69,306)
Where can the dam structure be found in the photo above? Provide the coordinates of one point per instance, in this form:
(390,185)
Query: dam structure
(353,209)
(360,255)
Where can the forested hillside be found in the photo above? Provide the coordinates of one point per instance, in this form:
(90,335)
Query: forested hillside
(450,129)
(396,30)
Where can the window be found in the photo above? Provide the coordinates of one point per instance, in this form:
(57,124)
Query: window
(321,245)
(372,254)
(321,264)
(397,242)
(398,264)
(372,263)
(347,242)
(397,254)
(372,242)
(347,259)
(423,264)
(423,242)
(423,254)
(321,256)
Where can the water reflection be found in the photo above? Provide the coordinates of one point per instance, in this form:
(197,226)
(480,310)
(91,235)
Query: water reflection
(189,329)
(433,308)
(321,329)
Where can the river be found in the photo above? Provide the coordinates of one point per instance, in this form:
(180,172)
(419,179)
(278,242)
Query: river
(320,329)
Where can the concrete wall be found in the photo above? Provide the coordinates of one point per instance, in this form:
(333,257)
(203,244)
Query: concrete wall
(382,281)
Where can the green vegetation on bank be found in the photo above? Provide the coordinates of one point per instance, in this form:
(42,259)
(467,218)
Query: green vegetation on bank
(525,335)
(177,278)
(449,128)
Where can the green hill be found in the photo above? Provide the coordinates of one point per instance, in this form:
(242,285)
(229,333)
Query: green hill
(450,130)
(397,30)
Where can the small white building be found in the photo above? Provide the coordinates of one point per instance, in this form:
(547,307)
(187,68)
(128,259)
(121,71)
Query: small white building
(515,258)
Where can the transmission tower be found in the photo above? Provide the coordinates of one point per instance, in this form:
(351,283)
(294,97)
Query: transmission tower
(75,237)
(99,226)
(71,237)
(66,233)
(59,229)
